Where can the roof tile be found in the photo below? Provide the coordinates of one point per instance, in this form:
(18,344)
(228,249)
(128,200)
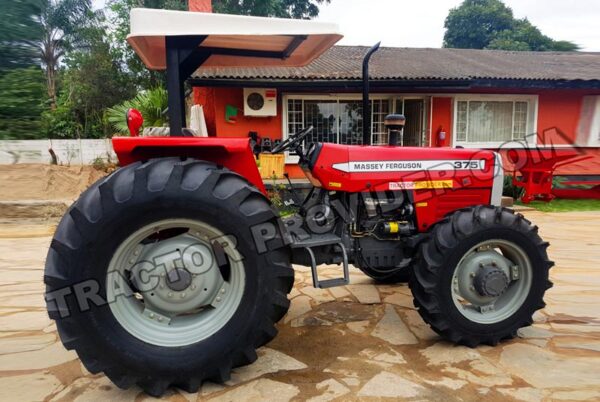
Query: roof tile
(345,63)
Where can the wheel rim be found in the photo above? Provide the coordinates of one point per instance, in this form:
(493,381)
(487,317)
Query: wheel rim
(491,282)
(175,282)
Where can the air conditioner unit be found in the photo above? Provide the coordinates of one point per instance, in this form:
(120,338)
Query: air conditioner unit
(260,102)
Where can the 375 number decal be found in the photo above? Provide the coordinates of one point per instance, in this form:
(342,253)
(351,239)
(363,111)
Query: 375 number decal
(468,164)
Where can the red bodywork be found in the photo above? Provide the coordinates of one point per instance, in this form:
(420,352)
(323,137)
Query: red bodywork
(440,179)
(233,153)
(431,175)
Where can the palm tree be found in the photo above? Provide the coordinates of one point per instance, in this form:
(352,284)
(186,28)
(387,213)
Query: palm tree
(62,22)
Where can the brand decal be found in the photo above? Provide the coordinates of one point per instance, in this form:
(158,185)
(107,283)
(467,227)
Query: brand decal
(409,166)
(421,185)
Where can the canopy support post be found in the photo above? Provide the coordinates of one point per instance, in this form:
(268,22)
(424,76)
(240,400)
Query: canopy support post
(182,53)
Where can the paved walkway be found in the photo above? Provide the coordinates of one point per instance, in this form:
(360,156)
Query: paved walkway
(357,342)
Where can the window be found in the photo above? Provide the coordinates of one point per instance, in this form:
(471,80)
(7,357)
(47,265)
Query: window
(336,119)
(485,121)
(588,132)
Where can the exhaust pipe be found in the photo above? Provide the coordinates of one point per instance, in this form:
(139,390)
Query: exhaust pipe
(365,101)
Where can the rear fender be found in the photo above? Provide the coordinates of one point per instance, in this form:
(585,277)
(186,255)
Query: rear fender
(233,153)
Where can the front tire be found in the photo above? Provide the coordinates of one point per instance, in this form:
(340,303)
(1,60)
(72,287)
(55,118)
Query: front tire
(182,202)
(481,275)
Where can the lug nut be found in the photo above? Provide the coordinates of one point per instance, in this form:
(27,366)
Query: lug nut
(170,294)
(193,287)
(183,295)
(222,290)
(472,274)
(218,299)
(160,318)
(151,315)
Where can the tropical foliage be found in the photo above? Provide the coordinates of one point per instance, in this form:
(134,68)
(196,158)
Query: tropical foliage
(490,24)
(151,103)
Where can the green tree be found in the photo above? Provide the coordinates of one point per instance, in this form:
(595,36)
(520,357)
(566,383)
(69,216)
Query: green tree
(19,32)
(490,24)
(62,23)
(92,82)
(299,9)
(119,22)
(21,105)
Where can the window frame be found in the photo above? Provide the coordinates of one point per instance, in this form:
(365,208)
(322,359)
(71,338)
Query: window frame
(291,159)
(531,126)
(586,135)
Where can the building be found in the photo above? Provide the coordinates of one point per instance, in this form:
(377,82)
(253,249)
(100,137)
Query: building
(451,97)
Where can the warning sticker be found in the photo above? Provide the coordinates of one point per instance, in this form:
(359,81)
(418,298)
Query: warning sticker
(420,185)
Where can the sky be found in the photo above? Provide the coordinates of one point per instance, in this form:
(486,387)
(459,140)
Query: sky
(420,23)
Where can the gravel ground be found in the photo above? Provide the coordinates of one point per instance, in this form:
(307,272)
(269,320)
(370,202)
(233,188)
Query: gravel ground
(361,341)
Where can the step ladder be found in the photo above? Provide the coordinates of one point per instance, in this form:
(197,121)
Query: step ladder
(324,240)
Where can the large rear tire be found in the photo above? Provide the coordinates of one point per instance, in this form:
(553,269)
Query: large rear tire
(481,275)
(148,210)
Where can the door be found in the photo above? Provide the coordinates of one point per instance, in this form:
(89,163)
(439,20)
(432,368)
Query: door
(414,111)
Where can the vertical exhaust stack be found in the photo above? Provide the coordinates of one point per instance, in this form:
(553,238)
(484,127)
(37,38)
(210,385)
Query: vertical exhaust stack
(366,106)
(394,124)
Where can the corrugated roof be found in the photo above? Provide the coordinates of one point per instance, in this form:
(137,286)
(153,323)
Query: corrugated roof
(345,63)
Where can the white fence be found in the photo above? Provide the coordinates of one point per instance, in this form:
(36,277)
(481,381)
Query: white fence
(68,152)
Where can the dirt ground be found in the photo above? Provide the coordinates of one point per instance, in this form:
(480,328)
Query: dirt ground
(34,191)
(45,182)
(358,342)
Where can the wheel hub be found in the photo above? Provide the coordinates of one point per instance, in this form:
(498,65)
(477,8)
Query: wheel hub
(179,279)
(491,281)
(176,292)
(182,278)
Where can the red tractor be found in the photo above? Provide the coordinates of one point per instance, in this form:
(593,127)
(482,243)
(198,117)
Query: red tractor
(176,267)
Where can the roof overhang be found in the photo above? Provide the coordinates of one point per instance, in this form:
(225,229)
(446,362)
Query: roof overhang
(240,41)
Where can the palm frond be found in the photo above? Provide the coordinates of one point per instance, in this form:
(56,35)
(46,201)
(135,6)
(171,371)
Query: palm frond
(150,103)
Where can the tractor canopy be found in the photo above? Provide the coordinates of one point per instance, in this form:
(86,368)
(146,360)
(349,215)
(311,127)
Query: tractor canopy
(231,40)
(181,41)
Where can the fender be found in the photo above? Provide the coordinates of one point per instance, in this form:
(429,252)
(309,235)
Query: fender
(233,153)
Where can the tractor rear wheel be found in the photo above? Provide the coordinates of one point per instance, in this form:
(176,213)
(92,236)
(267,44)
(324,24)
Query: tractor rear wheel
(481,275)
(154,276)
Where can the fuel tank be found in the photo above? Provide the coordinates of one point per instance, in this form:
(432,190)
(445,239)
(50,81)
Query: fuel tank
(440,180)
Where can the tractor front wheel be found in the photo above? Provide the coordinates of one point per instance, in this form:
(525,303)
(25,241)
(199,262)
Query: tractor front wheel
(155,277)
(481,275)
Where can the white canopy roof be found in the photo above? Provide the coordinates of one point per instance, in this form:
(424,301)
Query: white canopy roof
(149,27)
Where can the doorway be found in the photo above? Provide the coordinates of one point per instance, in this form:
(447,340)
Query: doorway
(415,129)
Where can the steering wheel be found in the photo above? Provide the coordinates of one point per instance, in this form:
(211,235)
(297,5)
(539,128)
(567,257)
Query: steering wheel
(293,141)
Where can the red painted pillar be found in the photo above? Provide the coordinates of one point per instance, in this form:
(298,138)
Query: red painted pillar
(204,96)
